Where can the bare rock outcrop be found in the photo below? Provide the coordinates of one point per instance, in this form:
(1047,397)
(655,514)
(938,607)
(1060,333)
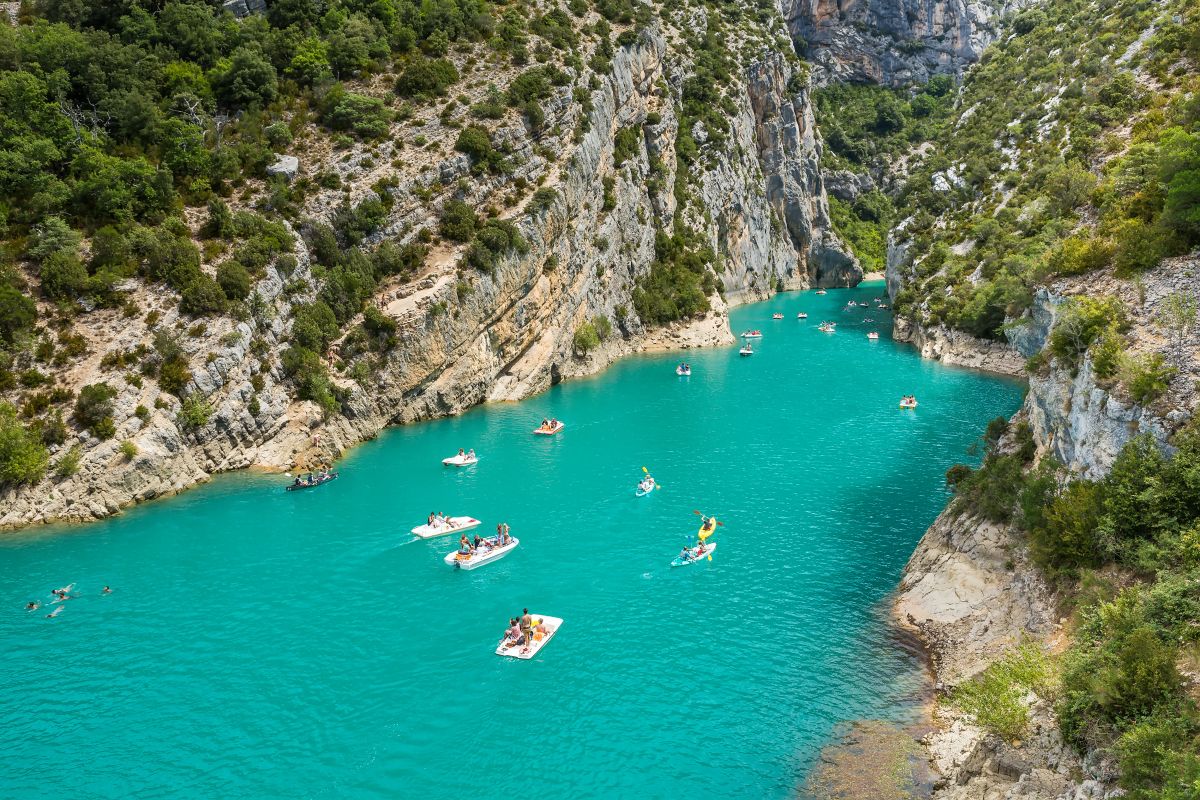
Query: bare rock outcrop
(893,42)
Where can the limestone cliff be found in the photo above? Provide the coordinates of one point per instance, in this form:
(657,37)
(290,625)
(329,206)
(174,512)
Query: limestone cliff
(893,42)
(462,337)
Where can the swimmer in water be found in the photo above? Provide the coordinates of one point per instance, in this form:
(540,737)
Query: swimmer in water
(106,590)
(32,605)
(54,613)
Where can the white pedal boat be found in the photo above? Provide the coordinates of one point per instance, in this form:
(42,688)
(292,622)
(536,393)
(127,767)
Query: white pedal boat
(544,631)
(802,315)
(683,371)
(455,525)
(480,556)
(872,335)
(709,549)
(549,431)
(460,461)
(746,351)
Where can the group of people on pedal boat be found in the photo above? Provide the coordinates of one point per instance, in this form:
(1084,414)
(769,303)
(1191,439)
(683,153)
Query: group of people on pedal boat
(909,401)
(468,455)
(468,547)
(522,631)
(547,425)
(440,520)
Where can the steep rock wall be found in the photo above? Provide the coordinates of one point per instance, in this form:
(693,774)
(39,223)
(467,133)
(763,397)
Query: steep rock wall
(511,335)
(893,42)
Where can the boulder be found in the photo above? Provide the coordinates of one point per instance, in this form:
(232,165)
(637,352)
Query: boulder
(287,166)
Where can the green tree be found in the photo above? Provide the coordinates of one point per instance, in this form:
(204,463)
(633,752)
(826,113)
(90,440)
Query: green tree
(23,458)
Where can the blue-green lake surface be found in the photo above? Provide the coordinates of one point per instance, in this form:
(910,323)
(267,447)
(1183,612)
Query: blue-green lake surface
(262,644)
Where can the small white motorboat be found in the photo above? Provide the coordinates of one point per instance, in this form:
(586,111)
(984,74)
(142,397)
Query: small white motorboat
(694,555)
(463,460)
(754,334)
(482,555)
(555,428)
(777,315)
(827,327)
(802,315)
(451,525)
(872,335)
(820,291)
(544,629)
(747,350)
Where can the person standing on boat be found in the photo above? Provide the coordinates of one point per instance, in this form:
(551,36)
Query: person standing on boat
(526,626)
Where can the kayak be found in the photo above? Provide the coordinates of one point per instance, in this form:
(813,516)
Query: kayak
(704,533)
(640,492)
(680,561)
(295,487)
(480,557)
(460,461)
(455,525)
(543,631)
(551,431)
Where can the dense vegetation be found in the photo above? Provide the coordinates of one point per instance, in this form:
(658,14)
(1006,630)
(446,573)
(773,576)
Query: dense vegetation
(1050,167)
(1127,549)
(866,129)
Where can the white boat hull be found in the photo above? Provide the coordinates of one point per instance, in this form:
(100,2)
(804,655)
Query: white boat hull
(709,549)
(550,626)
(456,525)
(460,461)
(551,432)
(479,558)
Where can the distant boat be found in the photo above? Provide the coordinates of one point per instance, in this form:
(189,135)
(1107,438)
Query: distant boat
(494,552)
(754,334)
(551,430)
(683,370)
(777,315)
(872,335)
(820,291)
(802,315)
(747,350)
(311,483)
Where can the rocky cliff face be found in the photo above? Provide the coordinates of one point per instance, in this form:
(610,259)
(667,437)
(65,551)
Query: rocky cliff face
(504,336)
(893,42)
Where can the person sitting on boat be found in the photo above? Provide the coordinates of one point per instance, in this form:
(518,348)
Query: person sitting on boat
(514,635)
(685,554)
(471,454)
(464,545)
(709,522)
(461,452)
(479,543)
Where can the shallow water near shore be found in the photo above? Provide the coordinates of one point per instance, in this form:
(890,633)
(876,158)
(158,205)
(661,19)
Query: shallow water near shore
(261,643)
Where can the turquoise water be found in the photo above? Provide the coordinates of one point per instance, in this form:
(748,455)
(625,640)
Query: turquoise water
(261,643)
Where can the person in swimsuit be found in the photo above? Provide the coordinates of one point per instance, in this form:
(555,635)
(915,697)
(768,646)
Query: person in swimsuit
(464,545)
(526,626)
(106,590)
(32,605)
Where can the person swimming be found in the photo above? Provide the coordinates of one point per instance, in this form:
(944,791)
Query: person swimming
(55,612)
(32,605)
(106,590)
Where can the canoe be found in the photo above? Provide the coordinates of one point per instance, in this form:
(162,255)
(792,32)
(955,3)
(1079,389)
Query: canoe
(543,632)
(480,557)
(295,487)
(460,461)
(640,492)
(457,525)
(551,432)
(680,561)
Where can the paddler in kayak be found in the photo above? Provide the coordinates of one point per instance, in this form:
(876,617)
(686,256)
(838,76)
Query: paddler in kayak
(647,483)
(710,524)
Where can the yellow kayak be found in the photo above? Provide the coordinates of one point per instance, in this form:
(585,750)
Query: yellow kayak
(708,528)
